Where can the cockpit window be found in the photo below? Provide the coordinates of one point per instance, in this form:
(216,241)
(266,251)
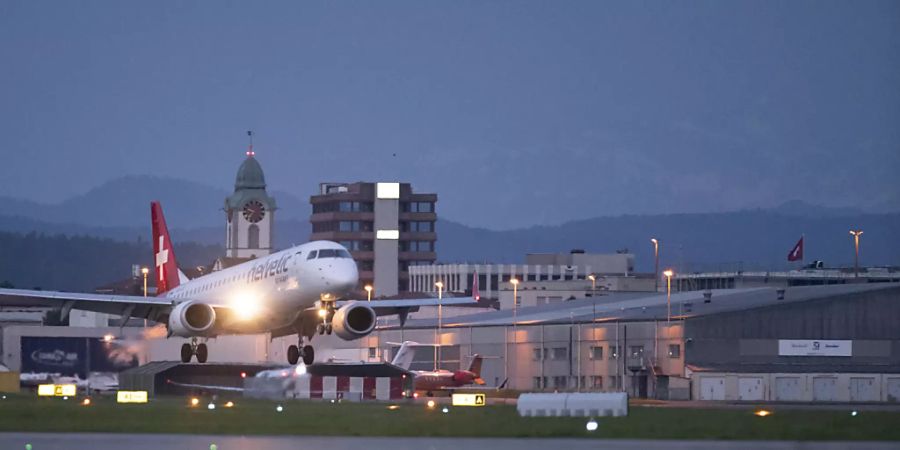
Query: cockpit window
(312,255)
(343,254)
(328,253)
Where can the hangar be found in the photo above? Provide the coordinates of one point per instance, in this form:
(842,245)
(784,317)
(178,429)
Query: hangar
(803,343)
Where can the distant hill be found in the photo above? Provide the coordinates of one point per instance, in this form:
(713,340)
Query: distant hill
(746,240)
(80,263)
(125,202)
(753,239)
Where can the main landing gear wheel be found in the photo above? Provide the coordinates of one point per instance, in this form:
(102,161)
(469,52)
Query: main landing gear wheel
(309,355)
(293,355)
(186,352)
(202,353)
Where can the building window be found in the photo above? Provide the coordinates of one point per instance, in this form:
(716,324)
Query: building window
(416,246)
(417,207)
(537,354)
(373,352)
(596,382)
(674,351)
(536,383)
(597,353)
(354,225)
(253,236)
(560,382)
(560,353)
(364,265)
(613,352)
(417,227)
(637,351)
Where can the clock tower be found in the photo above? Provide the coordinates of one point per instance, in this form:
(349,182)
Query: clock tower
(249,212)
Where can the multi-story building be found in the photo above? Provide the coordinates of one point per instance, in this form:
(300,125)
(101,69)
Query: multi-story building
(386,226)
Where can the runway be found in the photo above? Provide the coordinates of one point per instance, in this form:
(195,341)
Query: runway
(112,441)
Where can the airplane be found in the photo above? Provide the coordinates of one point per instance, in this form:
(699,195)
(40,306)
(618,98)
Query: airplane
(439,380)
(299,291)
(290,375)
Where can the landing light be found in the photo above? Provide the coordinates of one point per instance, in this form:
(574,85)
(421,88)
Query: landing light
(108,338)
(245,306)
(323,312)
(431,404)
(229,404)
(763,413)
(393,407)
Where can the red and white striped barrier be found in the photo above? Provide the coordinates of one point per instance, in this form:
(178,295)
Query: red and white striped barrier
(366,388)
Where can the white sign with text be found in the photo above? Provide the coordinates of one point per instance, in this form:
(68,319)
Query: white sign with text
(810,347)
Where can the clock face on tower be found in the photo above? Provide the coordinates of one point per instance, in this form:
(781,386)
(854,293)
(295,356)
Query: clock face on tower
(254,211)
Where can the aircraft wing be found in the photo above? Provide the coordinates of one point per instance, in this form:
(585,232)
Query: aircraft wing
(206,387)
(403,306)
(124,305)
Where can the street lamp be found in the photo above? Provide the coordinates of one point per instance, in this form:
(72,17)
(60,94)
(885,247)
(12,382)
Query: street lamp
(144,272)
(668,273)
(656,262)
(856,234)
(593,279)
(515,284)
(369,289)
(440,285)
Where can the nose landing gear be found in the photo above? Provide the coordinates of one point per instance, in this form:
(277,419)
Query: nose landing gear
(194,348)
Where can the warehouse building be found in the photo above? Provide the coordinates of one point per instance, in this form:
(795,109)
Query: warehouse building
(807,343)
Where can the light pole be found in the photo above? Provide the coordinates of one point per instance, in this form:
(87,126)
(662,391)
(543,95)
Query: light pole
(515,284)
(440,286)
(144,272)
(369,289)
(655,262)
(593,279)
(856,234)
(668,273)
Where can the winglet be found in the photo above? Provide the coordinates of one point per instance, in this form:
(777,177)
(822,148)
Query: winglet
(164,255)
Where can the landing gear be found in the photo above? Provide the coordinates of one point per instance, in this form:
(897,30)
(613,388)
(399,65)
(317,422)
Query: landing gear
(323,328)
(186,352)
(309,355)
(202,353)
(293,354)
(194,348)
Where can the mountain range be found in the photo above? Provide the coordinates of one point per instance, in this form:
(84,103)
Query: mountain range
(748,239)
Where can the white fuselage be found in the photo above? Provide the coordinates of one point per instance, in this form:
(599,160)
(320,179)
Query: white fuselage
(277,286)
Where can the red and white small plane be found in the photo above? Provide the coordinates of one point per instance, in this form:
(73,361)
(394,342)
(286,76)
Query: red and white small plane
(301,290)
(440,380)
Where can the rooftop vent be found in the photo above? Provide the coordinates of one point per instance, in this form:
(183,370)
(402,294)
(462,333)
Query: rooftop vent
(707,297)
(780,293)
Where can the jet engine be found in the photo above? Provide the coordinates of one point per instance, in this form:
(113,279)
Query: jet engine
(190,319)
(353,321)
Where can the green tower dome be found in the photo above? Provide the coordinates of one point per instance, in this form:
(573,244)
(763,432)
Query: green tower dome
(250,175)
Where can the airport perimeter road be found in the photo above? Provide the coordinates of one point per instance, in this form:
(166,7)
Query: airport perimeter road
(112,441)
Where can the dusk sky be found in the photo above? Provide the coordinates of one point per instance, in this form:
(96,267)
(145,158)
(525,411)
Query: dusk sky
(516,113)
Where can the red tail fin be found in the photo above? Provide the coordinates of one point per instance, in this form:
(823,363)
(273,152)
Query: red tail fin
(164,254)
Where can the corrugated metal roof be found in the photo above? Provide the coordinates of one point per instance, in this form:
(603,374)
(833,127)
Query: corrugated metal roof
(637,307)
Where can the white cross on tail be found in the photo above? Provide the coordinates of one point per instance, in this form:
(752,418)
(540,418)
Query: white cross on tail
(161,259)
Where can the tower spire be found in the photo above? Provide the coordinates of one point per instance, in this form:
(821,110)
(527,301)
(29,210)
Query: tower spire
(250,151)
